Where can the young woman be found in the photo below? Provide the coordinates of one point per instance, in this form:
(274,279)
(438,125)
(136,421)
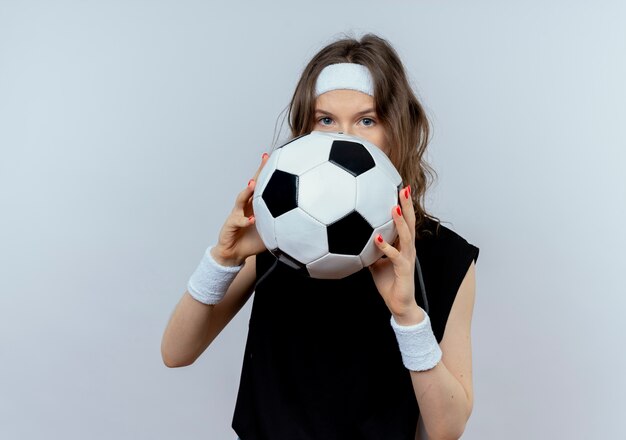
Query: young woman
(382,354)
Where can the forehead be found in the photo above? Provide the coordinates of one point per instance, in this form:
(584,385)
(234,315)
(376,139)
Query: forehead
(343,99)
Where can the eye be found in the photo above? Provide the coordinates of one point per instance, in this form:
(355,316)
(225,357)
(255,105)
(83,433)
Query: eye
(368,119)
(321,119)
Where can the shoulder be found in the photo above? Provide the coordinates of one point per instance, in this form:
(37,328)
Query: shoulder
(445,258)
(440,242)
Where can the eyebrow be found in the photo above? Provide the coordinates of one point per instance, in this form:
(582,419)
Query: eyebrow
(362,112)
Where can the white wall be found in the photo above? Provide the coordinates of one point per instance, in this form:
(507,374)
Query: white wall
(127,129)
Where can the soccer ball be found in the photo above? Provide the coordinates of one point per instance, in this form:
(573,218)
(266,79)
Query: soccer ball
(320,200)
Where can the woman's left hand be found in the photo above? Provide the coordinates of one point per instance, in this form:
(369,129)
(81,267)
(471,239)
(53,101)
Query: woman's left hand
(394,275)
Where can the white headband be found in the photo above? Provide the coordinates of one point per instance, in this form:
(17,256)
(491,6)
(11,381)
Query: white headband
(345,76)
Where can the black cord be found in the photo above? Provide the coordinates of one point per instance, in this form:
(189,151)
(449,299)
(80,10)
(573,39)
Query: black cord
(422,288)
(267,272)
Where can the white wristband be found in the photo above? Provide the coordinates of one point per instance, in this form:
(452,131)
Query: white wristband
(418,344)
(210,281)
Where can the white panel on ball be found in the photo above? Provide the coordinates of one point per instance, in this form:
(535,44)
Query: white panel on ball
(315,148)
(334,266)
(301,236)
(264,222)
(266,171)
(388,168)
(327,192)
(376,195)
(371,252)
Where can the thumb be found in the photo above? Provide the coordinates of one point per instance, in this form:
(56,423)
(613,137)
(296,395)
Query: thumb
(374,266)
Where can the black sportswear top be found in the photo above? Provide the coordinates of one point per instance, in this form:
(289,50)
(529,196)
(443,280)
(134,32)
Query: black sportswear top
(322,361)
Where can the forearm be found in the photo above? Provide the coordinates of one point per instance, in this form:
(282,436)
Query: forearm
(443,403)
(183,338)
(189,331)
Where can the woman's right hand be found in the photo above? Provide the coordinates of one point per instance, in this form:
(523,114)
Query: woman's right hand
(238,238)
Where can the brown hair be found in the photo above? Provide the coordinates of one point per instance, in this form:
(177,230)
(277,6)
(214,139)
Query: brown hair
(406,125)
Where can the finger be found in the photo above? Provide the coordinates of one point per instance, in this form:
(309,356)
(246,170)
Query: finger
(264,159)
(406,201)
(238,221)
(248,210)
(243,197)
(391,252)
(403,229)
(247,221)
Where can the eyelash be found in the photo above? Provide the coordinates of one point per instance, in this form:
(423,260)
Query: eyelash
(326,117)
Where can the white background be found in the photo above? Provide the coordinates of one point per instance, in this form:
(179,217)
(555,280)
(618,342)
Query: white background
(127,129)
